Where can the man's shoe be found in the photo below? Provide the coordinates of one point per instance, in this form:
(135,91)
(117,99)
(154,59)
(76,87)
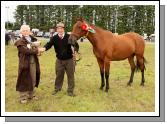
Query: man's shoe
(33,98)
(55,92)
(71,94)
(23,101)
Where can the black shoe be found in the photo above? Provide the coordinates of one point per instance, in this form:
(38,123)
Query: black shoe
(71,94)
(55,92)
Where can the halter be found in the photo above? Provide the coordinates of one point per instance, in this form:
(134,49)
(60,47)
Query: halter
(85,36)
(86,28)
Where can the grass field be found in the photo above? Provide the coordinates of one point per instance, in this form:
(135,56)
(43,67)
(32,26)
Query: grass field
(89,98)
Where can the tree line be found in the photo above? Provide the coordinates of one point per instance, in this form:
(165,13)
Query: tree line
(116,18)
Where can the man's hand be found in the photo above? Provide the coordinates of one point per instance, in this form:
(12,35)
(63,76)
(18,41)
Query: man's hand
(36,43)
(40,50)
(74,55)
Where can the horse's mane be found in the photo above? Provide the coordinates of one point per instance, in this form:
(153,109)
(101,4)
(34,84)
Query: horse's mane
(99,29)
(95,27)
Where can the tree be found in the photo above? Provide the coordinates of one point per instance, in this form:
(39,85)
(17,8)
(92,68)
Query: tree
(139,19)
(150,20)
(125,14)
(19,14)
(8,25)
(121,19)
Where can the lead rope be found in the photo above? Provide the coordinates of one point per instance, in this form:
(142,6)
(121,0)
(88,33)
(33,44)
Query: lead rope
(74,57)
(74,52)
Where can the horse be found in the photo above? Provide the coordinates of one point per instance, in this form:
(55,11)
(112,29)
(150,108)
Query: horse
(109,47)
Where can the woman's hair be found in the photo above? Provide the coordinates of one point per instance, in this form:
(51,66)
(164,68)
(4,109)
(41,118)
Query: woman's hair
(23,27)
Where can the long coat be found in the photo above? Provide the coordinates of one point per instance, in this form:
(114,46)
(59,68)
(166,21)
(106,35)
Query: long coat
(24,80)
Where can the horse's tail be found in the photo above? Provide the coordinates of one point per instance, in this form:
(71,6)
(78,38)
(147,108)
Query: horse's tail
(138,65)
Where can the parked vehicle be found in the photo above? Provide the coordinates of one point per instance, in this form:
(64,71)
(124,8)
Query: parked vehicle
(46,35)
(17,34)
(145,37)
(40,34)
(9,31)
(35,31)
(152,38)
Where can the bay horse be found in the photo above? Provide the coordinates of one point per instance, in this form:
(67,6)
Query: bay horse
(109,47)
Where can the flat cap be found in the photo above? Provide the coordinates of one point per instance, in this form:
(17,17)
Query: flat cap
(60,24)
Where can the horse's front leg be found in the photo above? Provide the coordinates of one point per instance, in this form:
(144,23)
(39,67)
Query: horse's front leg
(107,71)
(101,66)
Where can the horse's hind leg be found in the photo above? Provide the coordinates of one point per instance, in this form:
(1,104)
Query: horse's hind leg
(132,65)
(140,63)
(101,65)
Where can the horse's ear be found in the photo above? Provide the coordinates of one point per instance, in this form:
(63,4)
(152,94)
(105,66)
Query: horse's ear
(80,19)
(91,20)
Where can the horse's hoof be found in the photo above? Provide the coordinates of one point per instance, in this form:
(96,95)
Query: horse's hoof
(101,88)
(129,84)
(106,90)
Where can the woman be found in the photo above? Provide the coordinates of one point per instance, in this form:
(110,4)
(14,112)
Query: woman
(29,69)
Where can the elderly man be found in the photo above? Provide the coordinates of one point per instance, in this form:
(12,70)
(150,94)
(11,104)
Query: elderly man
(29,69)
(64,62)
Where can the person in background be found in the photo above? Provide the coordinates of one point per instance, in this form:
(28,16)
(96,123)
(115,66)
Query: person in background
(12,37)
(7,38)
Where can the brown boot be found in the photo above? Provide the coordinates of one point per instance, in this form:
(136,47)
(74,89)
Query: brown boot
(33,98)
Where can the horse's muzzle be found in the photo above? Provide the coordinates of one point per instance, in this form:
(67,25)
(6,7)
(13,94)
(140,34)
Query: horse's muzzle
(72,40)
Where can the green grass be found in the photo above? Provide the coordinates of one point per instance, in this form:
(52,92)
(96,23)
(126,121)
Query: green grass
(89,98)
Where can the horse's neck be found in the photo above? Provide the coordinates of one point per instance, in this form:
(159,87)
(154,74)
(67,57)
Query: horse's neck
(95,38)
(92,39)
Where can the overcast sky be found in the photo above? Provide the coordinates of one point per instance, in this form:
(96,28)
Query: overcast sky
(9,10)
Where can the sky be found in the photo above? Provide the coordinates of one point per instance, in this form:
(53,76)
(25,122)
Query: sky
(9,10)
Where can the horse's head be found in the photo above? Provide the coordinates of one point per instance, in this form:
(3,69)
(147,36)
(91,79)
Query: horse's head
(79,30)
